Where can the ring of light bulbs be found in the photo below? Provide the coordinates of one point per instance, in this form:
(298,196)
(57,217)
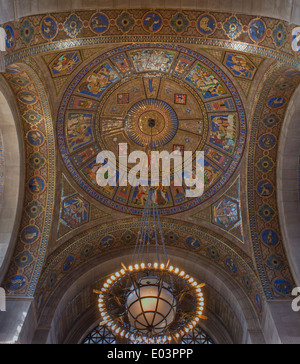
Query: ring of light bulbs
(134,336)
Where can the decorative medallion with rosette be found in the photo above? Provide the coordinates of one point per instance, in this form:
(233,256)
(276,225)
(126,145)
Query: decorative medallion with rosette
(232,27)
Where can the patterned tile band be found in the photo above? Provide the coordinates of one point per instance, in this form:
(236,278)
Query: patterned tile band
(37,34)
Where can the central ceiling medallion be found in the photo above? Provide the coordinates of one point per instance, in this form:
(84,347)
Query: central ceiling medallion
(137,123)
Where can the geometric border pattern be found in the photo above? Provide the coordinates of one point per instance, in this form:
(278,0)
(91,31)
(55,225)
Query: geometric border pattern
(222,34)
(277,279)
(24,272)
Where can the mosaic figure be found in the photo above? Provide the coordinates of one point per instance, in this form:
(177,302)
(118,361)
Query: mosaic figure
(206,83)
(267,141)
(49,28)
(282,286)
(30,234)
(27,97)
(152,60)
(75,211)
(231,265)
(210,173)
(226,213)
(240,65)
(15,283)
(36,185)
(98,81)
(276,102)
(35,138)
(10,36)
(257,30)
(223,132)
(269,237)
(79,130)
(162,195)
(99,23)
(140,195)
(65,64)
(68,264)
(107,242)
(193,243)
(152,22)
(265,188)
(207,24)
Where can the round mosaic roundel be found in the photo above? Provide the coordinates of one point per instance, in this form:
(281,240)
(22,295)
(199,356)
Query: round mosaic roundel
(193,103)
(137,123)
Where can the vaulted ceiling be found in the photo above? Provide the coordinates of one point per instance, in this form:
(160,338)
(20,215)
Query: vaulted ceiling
(217,82)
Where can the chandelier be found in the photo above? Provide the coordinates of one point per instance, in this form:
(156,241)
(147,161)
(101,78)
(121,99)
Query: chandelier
(151,301)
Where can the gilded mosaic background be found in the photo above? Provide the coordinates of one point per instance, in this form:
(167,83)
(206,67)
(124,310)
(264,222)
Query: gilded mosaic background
(219,82)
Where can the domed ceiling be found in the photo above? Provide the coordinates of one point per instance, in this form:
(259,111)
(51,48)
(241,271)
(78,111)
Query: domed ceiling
(195,105)
(215,82)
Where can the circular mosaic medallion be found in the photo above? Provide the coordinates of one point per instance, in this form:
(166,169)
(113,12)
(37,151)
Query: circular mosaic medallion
(99,23)
(206,24)
(27,97)
(270,237)
(10,36)
(257,30)
(267,141)
(35,138)
(49,28)
(16,283)
(30,234)
(137,123)
(193,104)
(152,22)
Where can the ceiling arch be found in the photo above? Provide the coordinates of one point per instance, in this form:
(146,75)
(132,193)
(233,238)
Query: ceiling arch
(54,66)
(233,316)
(39,179)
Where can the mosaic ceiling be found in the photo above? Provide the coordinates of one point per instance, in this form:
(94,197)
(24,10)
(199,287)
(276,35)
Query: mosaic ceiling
(112,99)
(87,81)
